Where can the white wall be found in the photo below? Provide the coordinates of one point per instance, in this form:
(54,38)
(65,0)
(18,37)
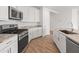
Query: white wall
(61,20)
(45,20)
(78,19)
(75,18)
(52,20)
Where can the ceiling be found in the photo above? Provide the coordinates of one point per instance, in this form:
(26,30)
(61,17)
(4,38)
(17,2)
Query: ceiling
(62,8)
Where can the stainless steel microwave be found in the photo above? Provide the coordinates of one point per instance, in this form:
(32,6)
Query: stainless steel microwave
(14,14)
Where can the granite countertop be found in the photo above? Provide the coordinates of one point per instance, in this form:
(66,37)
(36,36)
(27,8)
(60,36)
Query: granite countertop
(73,37)
(4,37)
(28,27)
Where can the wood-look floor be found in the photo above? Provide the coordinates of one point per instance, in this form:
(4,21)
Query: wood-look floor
(41,45)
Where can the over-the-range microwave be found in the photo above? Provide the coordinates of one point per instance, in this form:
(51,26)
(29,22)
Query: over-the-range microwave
(14,14)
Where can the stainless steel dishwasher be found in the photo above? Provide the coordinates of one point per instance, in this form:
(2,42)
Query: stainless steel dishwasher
(71,46)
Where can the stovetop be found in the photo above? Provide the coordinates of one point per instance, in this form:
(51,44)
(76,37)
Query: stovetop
(17,31)
(10,29)
(20,31)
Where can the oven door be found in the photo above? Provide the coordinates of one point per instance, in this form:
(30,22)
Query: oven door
(22,43)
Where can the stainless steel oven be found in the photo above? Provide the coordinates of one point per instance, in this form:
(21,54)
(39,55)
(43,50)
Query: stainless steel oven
(23,41)
(22,34)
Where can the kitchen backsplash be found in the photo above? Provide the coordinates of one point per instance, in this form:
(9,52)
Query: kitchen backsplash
(19,23)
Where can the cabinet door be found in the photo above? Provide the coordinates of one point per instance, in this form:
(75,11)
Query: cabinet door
(38,32)
(25,10)
(4,13)
(14,44)
(30,34)
(35,32)
(37,15)
(31,14)
(6,50)
(55,37)
(62,43)
(10,49)
(14,47)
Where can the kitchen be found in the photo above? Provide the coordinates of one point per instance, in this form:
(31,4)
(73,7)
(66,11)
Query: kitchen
(22,25)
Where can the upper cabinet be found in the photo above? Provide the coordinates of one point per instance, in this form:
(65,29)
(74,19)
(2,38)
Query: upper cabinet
(8,13)
(37,15)
(30,14)
(25,12)
(3,12)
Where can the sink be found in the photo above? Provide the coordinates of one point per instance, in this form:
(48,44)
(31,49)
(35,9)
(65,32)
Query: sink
(67,32)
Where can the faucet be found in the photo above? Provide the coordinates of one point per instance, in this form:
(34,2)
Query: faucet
(72,26)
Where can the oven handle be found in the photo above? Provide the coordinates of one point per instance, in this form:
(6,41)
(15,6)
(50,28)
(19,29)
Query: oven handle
(20,37)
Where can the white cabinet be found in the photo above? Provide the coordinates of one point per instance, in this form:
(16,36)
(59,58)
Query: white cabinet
(25,11)
(56,38)
(60,41)
(37,15)
(14,48)
(3,12)
(6,50)
(30,14)
(35,32)
(11,45)
(33,14)
(9,49)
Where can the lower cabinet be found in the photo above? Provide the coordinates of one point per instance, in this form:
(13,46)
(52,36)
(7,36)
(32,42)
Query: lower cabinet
(65,44)
(34,33)
(9,49)
(60,41)
(11,46)
(6,50)
(55,38)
